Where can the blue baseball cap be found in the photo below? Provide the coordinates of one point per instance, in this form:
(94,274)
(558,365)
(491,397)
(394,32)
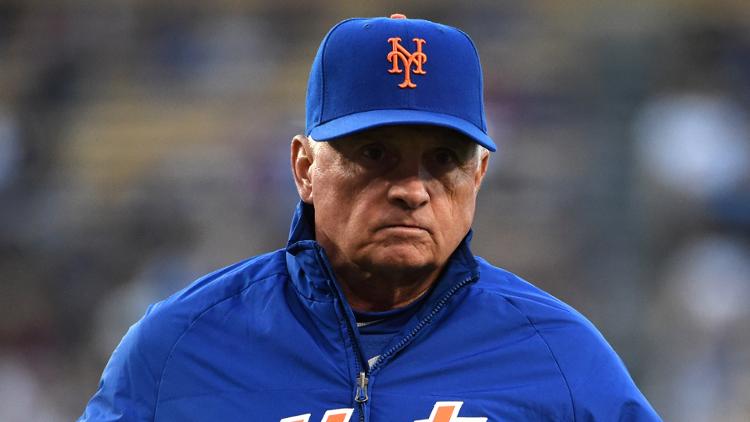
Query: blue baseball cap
(372,72)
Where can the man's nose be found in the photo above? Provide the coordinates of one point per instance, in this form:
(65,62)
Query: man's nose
(410,190)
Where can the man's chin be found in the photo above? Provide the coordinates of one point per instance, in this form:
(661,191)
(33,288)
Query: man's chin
(394,263)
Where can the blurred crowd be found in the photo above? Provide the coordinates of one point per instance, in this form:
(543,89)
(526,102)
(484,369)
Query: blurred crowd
(145,142)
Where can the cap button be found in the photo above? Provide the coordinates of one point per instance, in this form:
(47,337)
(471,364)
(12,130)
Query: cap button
(398,16)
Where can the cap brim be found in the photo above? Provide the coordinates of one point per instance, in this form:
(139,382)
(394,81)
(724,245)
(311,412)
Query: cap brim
(370,119)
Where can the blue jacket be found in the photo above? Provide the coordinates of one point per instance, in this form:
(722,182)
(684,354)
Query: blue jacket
(272,338)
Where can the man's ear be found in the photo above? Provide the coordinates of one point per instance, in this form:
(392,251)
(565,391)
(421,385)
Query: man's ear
(302,159)
(484,161)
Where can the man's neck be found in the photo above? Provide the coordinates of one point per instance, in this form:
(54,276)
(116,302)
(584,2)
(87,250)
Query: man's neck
(369,292)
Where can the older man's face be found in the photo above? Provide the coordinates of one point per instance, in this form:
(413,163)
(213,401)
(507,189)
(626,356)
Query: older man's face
(394,199)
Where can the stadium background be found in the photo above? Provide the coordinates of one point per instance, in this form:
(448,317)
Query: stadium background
(145,142)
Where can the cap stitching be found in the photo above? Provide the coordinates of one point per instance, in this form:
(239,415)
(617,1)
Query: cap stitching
(404,108)
(481,80)
(323,67)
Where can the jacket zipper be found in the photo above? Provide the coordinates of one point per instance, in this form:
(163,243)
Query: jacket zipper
(361,395)
(426,320)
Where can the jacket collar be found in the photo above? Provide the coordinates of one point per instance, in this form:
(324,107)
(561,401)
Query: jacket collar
(303,224)
(310,270)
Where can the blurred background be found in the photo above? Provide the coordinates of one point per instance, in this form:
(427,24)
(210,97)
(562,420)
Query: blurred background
(144,143)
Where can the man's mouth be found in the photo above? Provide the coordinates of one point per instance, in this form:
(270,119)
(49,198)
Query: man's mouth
(405,227)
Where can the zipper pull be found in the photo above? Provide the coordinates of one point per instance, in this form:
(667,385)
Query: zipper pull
(361,395)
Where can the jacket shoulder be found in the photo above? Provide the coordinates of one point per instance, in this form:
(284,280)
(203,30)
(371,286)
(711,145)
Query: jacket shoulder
(597,379)
(214,287)
(520,292)
(128,388)
(165,321)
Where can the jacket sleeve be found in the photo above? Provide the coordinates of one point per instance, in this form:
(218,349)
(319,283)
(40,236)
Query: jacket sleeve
(600,386)
(128,386)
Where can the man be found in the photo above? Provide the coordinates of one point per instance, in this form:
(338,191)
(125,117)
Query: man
(376,310)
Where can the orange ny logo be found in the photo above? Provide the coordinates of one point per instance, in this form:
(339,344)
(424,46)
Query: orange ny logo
(400,55)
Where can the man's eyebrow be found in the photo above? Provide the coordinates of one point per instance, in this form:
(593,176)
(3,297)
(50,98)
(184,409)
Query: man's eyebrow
(455,142)
(450,136)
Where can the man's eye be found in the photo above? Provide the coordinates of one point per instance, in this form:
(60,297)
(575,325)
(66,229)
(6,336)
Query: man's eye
(373,152)
(445,157)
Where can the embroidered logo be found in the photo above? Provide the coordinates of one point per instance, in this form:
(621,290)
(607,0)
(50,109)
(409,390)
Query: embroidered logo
(401,56)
